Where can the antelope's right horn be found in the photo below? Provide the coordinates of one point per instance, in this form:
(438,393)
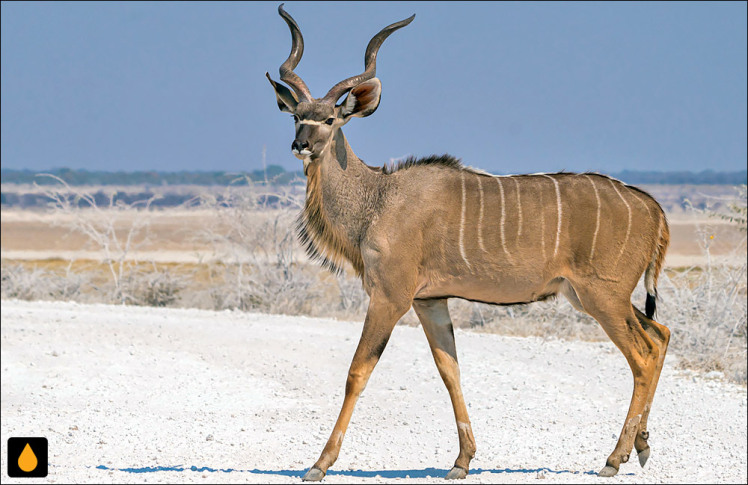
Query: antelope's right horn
(297,50)
(370,62)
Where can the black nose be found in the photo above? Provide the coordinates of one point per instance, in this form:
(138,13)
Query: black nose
(299,146)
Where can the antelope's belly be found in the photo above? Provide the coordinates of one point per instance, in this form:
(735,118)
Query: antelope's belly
(494,289)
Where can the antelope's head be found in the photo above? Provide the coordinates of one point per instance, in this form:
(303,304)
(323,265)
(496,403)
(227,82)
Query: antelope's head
(317,120)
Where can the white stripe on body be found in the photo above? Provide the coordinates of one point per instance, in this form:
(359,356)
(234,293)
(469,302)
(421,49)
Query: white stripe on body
(542,225)
(503,217)
(462,222)
(597,218)
(480,216)
(558,217)
(519,210)
(628,224)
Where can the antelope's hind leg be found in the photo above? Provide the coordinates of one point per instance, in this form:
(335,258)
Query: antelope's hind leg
(661,336)
(621,324)
(434,316)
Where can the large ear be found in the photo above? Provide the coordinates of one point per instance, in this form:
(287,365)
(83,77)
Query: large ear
(286,98)
(362,100)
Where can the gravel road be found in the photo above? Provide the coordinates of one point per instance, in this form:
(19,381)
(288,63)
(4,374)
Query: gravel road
(132,394)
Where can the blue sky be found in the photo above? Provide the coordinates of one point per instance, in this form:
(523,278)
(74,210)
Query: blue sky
(507,87)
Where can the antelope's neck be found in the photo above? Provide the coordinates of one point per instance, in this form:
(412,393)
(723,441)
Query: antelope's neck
(339,205)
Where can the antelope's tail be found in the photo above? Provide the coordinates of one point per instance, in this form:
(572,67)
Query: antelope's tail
(655,266)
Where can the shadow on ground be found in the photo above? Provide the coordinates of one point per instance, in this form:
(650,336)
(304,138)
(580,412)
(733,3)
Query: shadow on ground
(412,473)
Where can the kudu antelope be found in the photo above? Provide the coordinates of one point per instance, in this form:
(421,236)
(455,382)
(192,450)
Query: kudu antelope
(431,229)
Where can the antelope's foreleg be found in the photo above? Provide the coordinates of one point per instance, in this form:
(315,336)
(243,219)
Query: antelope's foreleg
(661,336)
(381,318)
(434,316)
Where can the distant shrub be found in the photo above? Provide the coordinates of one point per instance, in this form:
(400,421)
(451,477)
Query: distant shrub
(157,288)
(16,281)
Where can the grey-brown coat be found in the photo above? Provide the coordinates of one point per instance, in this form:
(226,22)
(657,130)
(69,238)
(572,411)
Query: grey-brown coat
(432,229)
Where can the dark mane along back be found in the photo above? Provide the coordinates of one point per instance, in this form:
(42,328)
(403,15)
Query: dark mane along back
(443,160)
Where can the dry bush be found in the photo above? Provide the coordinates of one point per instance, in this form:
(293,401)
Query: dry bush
(253,246)
(256,262)
(706,306)
(117,230)
(17,281)
(79,212)
(158,287)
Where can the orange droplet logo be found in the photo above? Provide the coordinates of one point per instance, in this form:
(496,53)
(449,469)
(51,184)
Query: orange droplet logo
(27,461)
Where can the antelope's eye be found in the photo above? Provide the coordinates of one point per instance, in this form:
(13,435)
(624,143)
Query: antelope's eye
(295,119)
(329,121)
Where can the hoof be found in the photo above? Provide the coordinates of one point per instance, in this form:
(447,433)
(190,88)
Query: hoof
(456,473)
(644,456)
(608,471)
(314,475)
